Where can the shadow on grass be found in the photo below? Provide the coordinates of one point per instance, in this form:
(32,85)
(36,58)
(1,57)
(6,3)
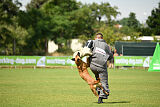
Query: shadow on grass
(116,102)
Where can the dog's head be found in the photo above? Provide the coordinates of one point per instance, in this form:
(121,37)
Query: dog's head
(75,54)
(77,58)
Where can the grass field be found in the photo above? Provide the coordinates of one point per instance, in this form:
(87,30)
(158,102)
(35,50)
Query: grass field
(63,87)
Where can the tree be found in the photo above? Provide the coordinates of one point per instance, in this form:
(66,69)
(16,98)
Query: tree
(104,10)
(8,10)
(94,13)
(10,31)
(46,20)
(130,27)
(35,4)
(37,26)
(83,22)
(111,34)
(61,21)
(145,31)
(153,21)
(131,22)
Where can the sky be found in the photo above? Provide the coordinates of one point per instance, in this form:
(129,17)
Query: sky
(142,8)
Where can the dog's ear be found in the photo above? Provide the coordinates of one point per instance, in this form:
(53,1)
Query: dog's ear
(73,59)
(78,54)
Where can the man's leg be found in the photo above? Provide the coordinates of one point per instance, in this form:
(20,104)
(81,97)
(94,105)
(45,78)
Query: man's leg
(96,73)
(100,99)
(104,80)
(99,74)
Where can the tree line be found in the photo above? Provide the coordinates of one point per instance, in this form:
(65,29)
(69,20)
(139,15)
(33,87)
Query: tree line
(27,32)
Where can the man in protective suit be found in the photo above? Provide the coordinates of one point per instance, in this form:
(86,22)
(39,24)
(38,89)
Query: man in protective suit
(98,62)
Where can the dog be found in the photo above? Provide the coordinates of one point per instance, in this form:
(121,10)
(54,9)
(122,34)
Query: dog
(83,72)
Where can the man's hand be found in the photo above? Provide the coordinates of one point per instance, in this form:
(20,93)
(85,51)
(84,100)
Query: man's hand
(110,56)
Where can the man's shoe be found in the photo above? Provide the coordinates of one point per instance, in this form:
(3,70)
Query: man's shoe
(100,100)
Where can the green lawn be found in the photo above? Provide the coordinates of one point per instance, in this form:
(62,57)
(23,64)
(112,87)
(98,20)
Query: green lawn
(63,87)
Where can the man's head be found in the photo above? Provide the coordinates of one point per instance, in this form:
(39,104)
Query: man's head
(98,36)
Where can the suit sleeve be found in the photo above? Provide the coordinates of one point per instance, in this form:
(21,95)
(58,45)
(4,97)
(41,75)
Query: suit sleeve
(110,56)
(109,53)
(89,44)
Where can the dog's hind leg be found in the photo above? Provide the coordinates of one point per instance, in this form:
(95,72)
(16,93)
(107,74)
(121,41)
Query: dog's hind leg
(100,86)
(97,81)
(93,88)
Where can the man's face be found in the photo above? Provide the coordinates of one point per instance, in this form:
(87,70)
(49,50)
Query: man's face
(98,37)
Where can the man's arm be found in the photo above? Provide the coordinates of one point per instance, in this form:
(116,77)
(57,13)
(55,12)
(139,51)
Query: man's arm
(110,56)
(110,53)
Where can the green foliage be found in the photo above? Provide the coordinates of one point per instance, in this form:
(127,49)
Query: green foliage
(104,10)
(83,22)
(84,38)
(131,27)
(8,10)
(17,36)
(37,26)
(111,34)
(60,21)
(134,35)
(65,50)
(130,22)
(12,36)
(35,4)
(90,18)
(146,31)
(60,24)
(153,21)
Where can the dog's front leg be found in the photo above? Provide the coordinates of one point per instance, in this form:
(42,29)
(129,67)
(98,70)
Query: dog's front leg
(97,81)
(88,62)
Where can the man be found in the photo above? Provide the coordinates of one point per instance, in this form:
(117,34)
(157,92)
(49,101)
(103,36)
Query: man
(98,62)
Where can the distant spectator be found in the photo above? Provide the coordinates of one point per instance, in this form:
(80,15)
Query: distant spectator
(115,53)
(121,54)
(111,62)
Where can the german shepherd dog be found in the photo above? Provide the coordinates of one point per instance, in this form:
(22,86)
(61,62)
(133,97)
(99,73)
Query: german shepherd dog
(83,72)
